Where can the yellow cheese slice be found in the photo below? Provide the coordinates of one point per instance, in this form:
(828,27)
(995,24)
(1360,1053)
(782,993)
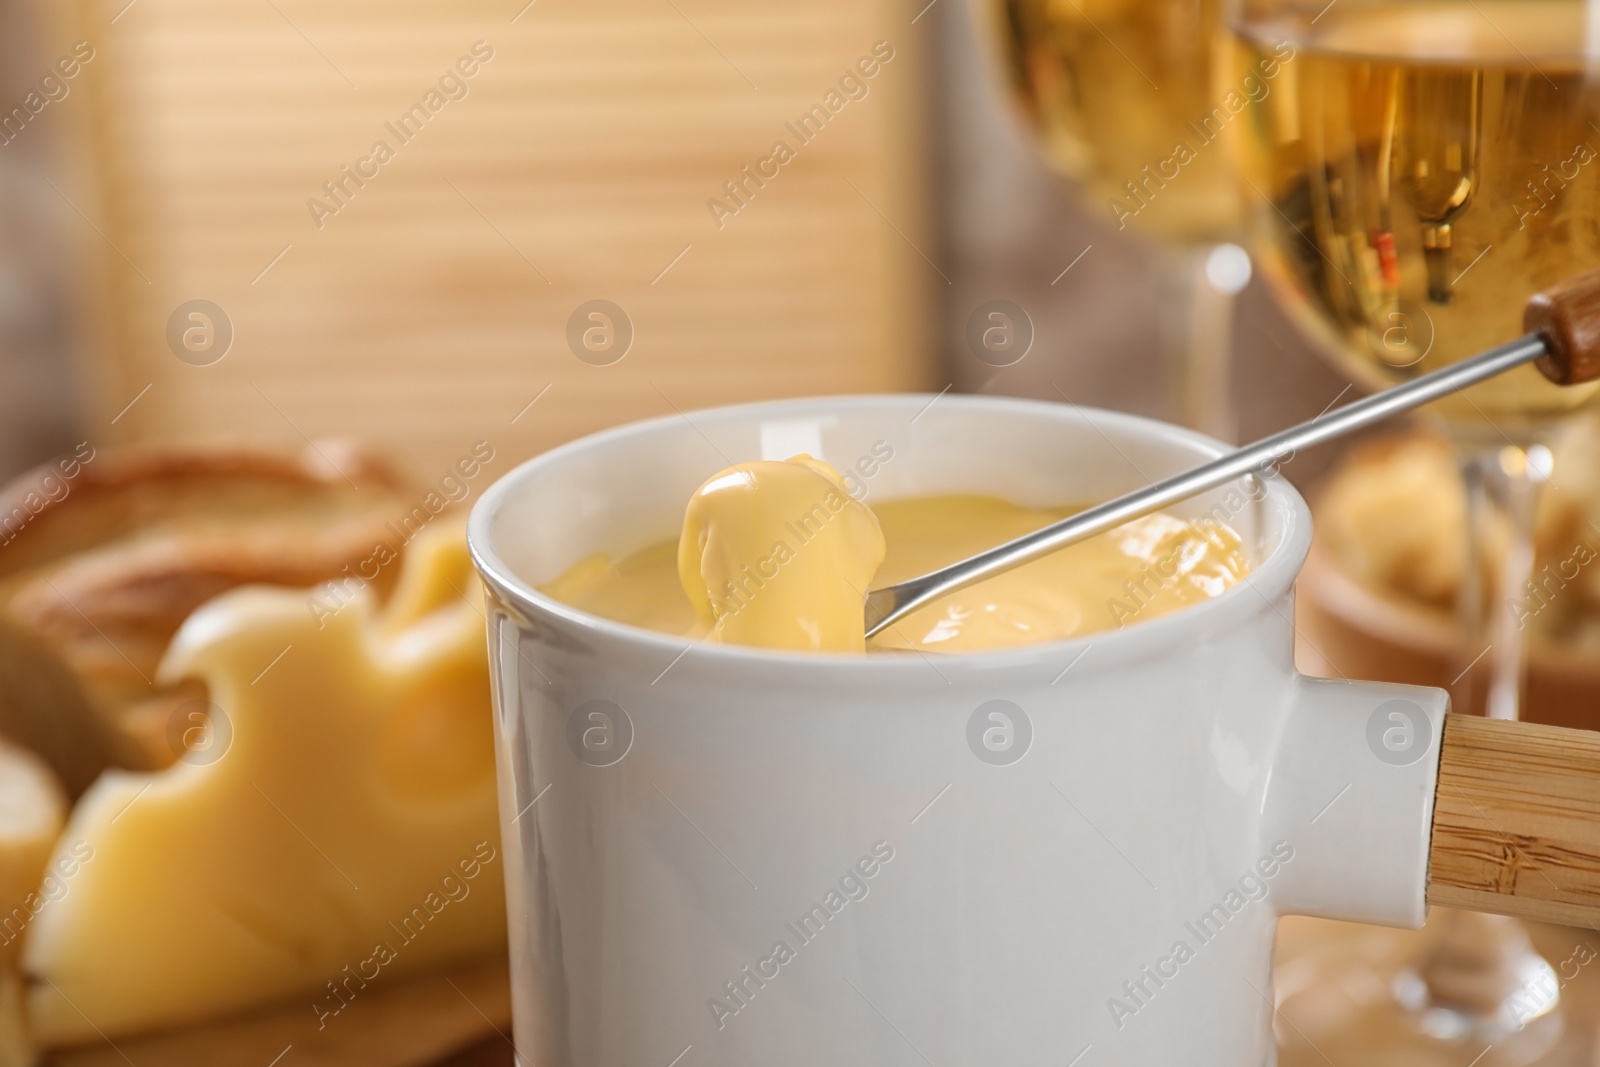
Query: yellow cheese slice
(329,829)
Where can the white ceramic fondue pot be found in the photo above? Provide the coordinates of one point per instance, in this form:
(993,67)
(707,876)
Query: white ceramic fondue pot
(1067,854)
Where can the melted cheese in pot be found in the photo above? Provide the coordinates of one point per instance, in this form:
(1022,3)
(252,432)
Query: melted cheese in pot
(778,555)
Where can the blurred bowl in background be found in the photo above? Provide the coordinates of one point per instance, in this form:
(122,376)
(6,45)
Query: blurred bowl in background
(1349,629)
(1377,595)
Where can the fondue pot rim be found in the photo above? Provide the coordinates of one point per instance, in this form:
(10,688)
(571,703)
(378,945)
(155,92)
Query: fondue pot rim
(1269,578)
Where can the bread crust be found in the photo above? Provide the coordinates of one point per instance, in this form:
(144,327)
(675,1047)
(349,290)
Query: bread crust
(108,561)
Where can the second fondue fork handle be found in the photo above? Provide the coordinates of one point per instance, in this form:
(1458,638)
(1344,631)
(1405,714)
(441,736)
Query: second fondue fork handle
(884,606)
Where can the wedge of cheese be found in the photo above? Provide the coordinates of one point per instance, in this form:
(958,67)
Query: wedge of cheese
(331,828)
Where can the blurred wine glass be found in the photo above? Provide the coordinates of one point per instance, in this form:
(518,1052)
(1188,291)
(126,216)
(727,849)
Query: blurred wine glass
(1416,170)
(1119,94)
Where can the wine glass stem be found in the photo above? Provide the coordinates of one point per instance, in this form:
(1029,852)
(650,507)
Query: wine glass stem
(1197,338)
(1508,633)
(1502,484)
(1502,489)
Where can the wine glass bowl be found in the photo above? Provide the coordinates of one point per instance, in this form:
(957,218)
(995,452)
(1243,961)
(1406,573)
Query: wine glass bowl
(1418,171)
(1120,97)
(1112,88)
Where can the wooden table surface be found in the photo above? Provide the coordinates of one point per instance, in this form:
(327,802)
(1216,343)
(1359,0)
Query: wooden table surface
(1334,985)
(1331,977)
(456,1017)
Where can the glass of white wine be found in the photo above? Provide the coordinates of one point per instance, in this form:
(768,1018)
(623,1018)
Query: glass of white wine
(1111,88)
(1417,170)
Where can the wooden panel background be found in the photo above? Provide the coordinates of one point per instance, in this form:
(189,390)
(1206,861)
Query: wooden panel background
(432,308)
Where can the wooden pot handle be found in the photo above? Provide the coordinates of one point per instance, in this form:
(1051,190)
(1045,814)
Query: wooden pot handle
(1516,821)
(1567,317)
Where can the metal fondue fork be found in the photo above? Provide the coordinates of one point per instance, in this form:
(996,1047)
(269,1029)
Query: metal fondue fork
(1564,336)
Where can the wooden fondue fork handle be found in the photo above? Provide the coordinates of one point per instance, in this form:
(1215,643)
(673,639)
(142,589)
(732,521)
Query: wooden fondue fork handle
(1516,821)
(1566,317)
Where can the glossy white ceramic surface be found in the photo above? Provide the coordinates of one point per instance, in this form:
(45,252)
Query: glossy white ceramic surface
(1087,872)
